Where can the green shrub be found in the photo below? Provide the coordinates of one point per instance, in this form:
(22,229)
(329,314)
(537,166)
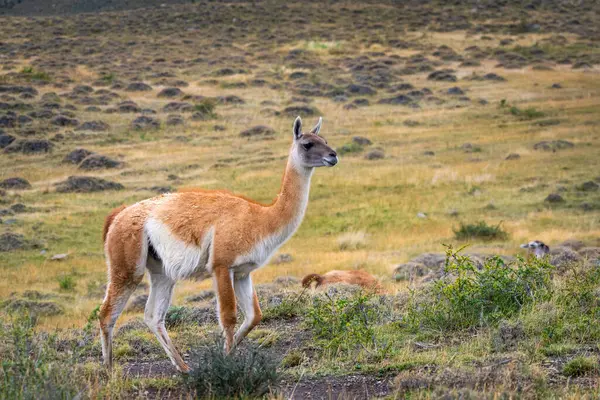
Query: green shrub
(470,297)
(344,323)
(108,78)
(31,74)
(480,230)
(31,368)
(206,108)
(245,372)
(349,148)
(66,282)
(580,366)
(289,308)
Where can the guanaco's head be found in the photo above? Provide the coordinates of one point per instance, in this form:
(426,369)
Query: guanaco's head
(536,247)
(309,149)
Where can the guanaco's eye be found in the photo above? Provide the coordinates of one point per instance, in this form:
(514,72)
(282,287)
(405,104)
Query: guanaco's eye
(307,146)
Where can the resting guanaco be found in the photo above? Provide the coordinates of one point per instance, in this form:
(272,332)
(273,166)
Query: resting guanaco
(536,248)
(200,234)
(360,278)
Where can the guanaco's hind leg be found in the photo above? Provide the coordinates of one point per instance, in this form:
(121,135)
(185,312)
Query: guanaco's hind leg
(117,294)
(161,293)
(225,304)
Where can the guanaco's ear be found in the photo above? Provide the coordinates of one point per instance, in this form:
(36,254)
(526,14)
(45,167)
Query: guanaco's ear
(317,127)
(297,128)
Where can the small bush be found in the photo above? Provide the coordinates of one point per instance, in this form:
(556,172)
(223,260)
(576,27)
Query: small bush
(480,230)
(344,323)
(66,282)
(292,359)
(349,148)
(207,108)
(108,78)
(289,308)
(352,241)
(31,74)
(580,366)
(470,297)
(31,368)
(246,372)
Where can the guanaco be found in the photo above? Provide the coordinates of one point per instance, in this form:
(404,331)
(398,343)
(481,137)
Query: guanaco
(537,248)
(199,234)
(360,278)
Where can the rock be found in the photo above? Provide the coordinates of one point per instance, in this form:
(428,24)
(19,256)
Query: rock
(282,258)
(573,244)
(59,257)
(34,308)
(137,304)
(201,296)
(303,111)
(144,122)
(375,155)
(409,271)
(286,281)
(34,146)
(562,257)
(554,198)
(15,183)
(589,186)
(86,184)
(94,126)
(493,77)
(12,241)
(360,140)
(128,107)
(397,100)
(98,161)
(455,91)
(590,253)
(175,120)
(513,156)
(428,153)
(77,156)
(421,215)
(442,75)
(138,87)
(556,86)
(64,121)
(430,260)
(18,208)
(170,92)
(553,145)
(259,130)
(6,140)
(360,90)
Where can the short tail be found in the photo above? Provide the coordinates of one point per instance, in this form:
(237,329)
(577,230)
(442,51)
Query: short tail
(310,278)
(109,220)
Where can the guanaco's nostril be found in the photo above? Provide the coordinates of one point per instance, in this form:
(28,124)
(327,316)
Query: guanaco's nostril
(333,154)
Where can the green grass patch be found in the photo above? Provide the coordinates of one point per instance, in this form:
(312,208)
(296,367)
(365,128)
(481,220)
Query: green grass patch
(580,366)
(480,230)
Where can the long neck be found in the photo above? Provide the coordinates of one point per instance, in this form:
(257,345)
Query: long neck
(290,204)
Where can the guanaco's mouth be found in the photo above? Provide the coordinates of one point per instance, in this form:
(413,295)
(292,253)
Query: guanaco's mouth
(330,161)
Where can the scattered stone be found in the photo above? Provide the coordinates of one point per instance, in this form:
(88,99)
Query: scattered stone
(98,161)
(77,156)
(282,258)
(553,145)
(556,86)
(170,92)
(201,296)
(455,91)
(409,271)
(554,198)
(513,156)
(589,186)
(12,241)
(430,260)
(6,140)
(86,184)
(260,130)
(360,140)
(59,257)
(144,122)
(375,155)
(421,215)
(15,183)
(35,146)
(138,87)
(137,304)
(94,126)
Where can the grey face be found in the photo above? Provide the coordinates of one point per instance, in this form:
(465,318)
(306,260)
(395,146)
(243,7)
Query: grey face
(536,247)
(311,149)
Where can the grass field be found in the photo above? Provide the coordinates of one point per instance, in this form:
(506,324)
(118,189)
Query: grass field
(437,159)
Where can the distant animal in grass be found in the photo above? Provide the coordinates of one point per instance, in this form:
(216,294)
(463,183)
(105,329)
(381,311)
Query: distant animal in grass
(201,234)
(537,248)
(359,278)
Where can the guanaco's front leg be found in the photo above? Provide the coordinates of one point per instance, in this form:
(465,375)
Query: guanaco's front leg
(226,304)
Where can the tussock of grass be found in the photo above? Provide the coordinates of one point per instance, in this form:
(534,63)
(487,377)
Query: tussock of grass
(480,230)
(580,366)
